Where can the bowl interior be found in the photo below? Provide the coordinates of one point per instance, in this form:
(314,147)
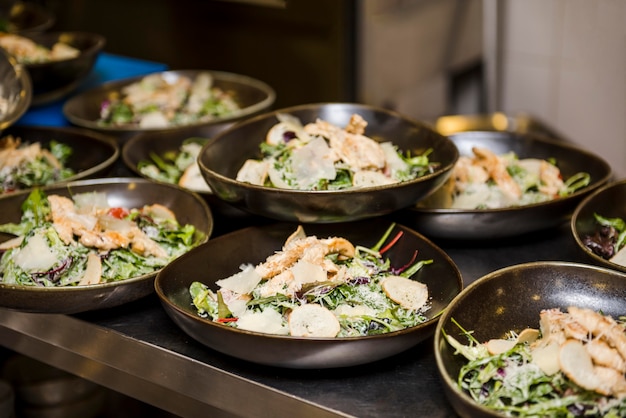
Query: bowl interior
(222,256)
(433,220)
(55,79)
(93,154)
(511,299)
(141,145)
(219,165)
(382,126)
(609,202)
(569,158)
(124,192)
(253,96)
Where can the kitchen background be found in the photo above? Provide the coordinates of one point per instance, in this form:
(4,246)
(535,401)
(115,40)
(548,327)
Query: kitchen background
(561,61)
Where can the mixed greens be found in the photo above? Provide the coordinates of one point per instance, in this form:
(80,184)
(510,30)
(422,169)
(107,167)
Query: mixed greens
(354,288)
(324,156)
(24,165)
(79,241)
(162,100)
(487,180)
(552,374)
(174,166)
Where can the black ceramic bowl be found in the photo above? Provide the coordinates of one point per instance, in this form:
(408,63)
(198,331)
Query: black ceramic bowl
(476,224)
(126,192)
(609,202)
(55,79)
(140,147)
(253,96)
(16,90)
(219,166)
(25,17)
(93,154)
(511,299)
(222,256)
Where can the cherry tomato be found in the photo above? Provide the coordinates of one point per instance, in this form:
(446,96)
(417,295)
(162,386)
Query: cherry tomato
(119,213)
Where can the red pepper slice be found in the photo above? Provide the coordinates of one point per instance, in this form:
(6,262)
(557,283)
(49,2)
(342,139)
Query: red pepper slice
(223,320)
(392,243)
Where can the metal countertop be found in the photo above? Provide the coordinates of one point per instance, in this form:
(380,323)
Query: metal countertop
(137,350)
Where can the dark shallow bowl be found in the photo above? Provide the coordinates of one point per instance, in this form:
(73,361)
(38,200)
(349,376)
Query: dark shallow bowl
(252,95)
(140,146)
(129,192)
(55,79)
(16,90)
(609,202)
(26,17)
(93,154)
(219,166)
(480,224)
(511,299)
(222,256)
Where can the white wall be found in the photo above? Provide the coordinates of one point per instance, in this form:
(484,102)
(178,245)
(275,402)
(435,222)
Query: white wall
(564,61)
(407,49)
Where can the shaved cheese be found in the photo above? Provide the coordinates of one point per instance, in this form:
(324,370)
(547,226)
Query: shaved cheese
(358,310)
(305,272)
(268,321)
(242,282)
(312,163)
(237,307)
(154,120)
(393,161)
(87,201)
(36,255)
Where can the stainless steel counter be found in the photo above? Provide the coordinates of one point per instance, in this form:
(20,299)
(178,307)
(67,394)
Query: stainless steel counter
(137,350)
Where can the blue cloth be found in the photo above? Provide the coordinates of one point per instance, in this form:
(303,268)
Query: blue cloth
(107,67)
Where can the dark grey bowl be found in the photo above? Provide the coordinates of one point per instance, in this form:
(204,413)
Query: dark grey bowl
(253,96)
(222,256)
(24,17)
(219,166)
(139,147)
(93,154)
(511,299)
(508,222)
(608,201)
(55,79)
(130,192)
(16,90)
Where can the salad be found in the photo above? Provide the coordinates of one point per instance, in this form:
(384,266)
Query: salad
(490,181)
(24,165)
(323,156)
(82,241)
(179,167)
(572,366)
(316,287)
(164,100)
(26,51)
(608,240)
